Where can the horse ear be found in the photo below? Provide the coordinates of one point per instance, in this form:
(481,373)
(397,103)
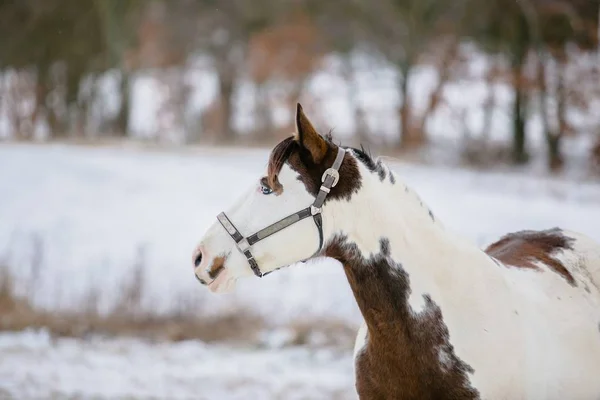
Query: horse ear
(308,137)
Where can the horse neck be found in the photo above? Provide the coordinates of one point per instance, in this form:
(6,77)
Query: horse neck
(394,249)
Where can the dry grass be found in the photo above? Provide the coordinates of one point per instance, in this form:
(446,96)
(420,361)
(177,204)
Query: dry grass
(128,317)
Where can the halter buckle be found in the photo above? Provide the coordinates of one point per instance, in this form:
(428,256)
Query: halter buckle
(331,172)
(315,210)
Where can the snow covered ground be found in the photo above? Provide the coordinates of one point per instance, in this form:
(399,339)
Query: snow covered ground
(93,209)
(35,366)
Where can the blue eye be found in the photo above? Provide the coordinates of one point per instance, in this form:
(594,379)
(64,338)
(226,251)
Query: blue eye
(265,189)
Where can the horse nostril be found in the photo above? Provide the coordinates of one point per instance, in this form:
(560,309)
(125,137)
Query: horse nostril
(202,281)
(198,259)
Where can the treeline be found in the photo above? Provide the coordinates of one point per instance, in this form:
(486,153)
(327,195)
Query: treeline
(71,65)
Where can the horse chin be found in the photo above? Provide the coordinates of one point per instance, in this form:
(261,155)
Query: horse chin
(224,283)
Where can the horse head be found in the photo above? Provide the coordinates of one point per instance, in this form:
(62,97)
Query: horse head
(287,216)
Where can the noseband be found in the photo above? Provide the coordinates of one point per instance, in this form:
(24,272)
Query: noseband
(244,244)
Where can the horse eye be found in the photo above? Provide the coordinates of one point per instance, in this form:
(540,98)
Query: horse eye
(265,189)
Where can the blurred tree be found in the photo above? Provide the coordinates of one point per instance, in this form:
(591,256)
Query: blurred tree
(224,31)
(344,30)
(68,44)
(548,27)
(402,32)
(422,25)
(55,52)
(562,24)
(501,26)
(119,20)
(286,53)
(164,42)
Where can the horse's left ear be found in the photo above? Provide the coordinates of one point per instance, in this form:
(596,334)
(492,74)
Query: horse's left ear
(308,137)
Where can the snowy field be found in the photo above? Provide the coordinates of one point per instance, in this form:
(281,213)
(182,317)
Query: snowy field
(94,210)
(33,366)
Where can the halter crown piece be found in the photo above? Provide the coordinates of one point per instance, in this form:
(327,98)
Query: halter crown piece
(329,179)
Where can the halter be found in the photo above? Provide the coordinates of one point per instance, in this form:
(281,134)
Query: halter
(329,179)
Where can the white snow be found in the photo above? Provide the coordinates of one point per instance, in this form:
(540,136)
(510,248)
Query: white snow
(33,365)
(91,209)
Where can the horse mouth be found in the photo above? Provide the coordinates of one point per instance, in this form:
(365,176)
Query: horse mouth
(214,274)
(222,281)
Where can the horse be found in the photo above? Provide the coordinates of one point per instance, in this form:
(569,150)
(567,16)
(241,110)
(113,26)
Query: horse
(442,317)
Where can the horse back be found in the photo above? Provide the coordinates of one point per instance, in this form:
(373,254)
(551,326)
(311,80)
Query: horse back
(573,256)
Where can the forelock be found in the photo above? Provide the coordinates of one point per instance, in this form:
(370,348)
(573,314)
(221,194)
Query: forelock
(277,159)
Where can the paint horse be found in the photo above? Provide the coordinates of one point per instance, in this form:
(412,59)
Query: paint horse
(442,318)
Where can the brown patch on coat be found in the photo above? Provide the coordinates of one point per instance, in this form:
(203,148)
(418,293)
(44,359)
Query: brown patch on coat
(407,355)
(217,266)
(522,249)
(311,173)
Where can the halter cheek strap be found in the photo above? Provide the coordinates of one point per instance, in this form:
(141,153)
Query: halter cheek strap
(329,179)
